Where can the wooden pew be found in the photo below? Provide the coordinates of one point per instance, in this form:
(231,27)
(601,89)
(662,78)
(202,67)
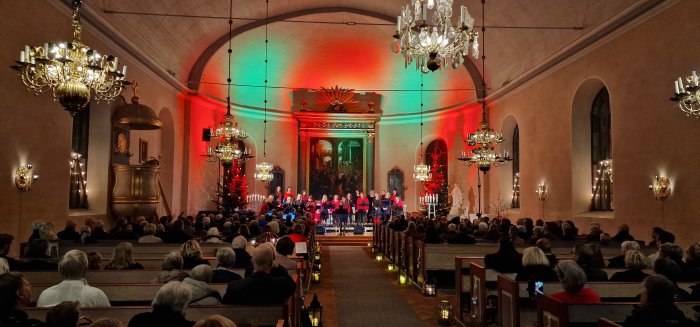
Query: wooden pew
(486,280)
(106,248)
(261,315)
(554,313)
(604,322)
(127,294)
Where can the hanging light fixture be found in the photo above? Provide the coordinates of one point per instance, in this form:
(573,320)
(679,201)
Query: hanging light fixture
(436,43)
(72,71)
(688,95)
(263,170)
(421,171)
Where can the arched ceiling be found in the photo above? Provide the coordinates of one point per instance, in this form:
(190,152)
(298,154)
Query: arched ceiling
(354,56)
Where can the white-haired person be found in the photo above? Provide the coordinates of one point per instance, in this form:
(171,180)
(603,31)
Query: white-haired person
(573,279)
(202,292)
(261,287)
(74,287)
(149,235)
(619,261)
(536,266)
(169,306)
(213,236)
(224,273)
(171,269)
(635,261)
(4,266)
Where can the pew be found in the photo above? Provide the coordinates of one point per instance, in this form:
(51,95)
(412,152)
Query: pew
(261,315)
(604,322)
(124,294)
(480,283)
(554,313)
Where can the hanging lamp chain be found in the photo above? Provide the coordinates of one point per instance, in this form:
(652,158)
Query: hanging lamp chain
(230,38)
(484,122)
(421,117)
(267,15)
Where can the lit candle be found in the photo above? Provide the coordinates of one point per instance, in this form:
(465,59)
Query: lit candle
(695,78)
(21,56)
(680,85)
(424,12)
(124,70)
(398,23)
(461,14)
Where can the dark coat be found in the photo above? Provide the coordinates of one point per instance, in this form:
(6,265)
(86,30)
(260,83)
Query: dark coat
(504,263)
(18,318)
(657,315)
(176,236)
(537,273)
(224,276)
(191,262)
(260,288)
(461,238)
(617,262)
(594,274)
(39,265)
(68,234)
(160,317)
(243,258)
(630,275)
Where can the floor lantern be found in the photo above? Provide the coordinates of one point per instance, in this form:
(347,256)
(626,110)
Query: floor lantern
(316,312)
(445,313)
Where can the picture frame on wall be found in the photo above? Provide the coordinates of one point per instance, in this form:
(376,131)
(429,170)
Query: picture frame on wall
(143,150)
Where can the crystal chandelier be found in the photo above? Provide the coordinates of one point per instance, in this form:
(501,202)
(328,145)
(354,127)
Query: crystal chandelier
(263,170)
(421,171)
(436,43)
(72,71)
(688,95)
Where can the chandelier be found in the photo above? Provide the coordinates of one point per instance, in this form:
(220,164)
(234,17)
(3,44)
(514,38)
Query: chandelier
(72,71)
(688,96)
(421,171)
(263,170)
(436,43)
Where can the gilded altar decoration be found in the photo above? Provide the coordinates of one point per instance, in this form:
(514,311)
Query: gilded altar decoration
(122,146)
(338,99)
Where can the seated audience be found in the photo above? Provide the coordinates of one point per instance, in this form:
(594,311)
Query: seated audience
(536,266)
(36,259)
(432,236)
(284,248)
(213,236)
(149,237)
(106,322)
(15,295)
(69,233)
(619,261)
(514,233)
(122,258)
(243,258)
(36,230)
(74,287)
(450,233)
(594,233)
(224,272)
(64,314)
(4,266)
(670,269)
(123,230)
(94,261)
(461,237)
(590,259)
(297,234)
(623,234)
(85,236)
(5,244)
(261,287)
(192,255)
(692,263)
(98,233)
(635,261)
(506,259)
(176,234)
(546,246)
(202,292)
(493,234)
(569,231)
(656,307)
(573,280)
(215,321)
(168,306)
(171,269)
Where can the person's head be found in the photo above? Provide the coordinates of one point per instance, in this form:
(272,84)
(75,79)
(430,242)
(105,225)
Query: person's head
(226,257)
(285,246)
(122,257)
(94,261)
(671,251)
(37,249)
(483,227)
(190,249)
(588,254)
(505,245)
(668,268)
(64,314)
(629,246)
(73,264)
(215,321)
(263,258)
(15,292)
(106,322)
(605,239)
(70,224)
(635,259)
(545,245)
(571,276)
(5,243)
(692,253)
(173,296)
(149,229)
(201,273)
(665,237)
(657,289)
(533,256)
(172,261)
(213,232)
(4,266)
(451,228)
(624,228)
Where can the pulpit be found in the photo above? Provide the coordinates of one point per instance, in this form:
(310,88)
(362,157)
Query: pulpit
(135,190)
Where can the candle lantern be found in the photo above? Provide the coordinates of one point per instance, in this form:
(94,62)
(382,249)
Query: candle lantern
(403,276)
(445,313)
(316,274)
(378,256)
(429,289)
(317,256)
(391,267)
(316,312)
(317,266)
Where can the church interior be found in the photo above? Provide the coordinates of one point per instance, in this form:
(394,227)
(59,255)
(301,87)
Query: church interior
(521,110)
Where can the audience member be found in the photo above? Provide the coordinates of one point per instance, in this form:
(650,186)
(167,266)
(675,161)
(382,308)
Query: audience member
(168,306)
(224,273)
(5,244)
(297,234)
(15,295)
(74,287)
(69,233)
(594,233)
(619,261)
(122,258)
(85,236)
(573,280)
(432,236)
(171,269)
(149,232)
(213,236)
(94,261)
(202,292)
(635,261)
(590,259)
(284,248)
(261,287)
(536,266)
(461,237)
(546,246)
(243,258)
(514,233)
(215,321)
(98,232)
(36,259)
(64,314)
(192,255)
(691,270)
(656,307)
(36,230)
(450,233)
(176,233)
(569,231)
(623,234)
(506,259)
(4,266)
(672,271)
(106,322)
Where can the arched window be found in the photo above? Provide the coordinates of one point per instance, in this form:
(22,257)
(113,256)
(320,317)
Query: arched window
(601,153)
(516,168)
(436,158)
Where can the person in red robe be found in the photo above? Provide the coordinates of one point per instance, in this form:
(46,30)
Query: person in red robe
(288,193)
(362,206)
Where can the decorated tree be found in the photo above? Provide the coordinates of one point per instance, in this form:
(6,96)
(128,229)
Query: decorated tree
(438,183)
(235,188)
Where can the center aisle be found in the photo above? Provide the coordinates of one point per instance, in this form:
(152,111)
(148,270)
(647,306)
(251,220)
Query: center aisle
(364,297)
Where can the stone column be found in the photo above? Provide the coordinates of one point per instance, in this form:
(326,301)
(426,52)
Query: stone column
(370,161)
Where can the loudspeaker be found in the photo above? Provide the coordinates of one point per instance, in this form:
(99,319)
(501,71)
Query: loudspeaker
(320,230)
(359,229)
(206,134)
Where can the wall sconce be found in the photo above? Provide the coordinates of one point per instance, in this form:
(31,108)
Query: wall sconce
(24,178)
(542,192)
(661,187)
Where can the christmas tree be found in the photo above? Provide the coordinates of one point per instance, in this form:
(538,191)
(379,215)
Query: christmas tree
(235,190)
(437,184)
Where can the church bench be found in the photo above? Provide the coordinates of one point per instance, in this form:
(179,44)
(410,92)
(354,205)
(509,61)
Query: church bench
(554,313)
(261,315)
(139,250)
(124,294)
(605,322)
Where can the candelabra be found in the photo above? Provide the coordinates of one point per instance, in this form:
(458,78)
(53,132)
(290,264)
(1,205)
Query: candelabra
(688,95)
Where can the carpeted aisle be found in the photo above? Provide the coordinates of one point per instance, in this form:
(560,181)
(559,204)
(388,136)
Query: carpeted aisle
(364,297)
